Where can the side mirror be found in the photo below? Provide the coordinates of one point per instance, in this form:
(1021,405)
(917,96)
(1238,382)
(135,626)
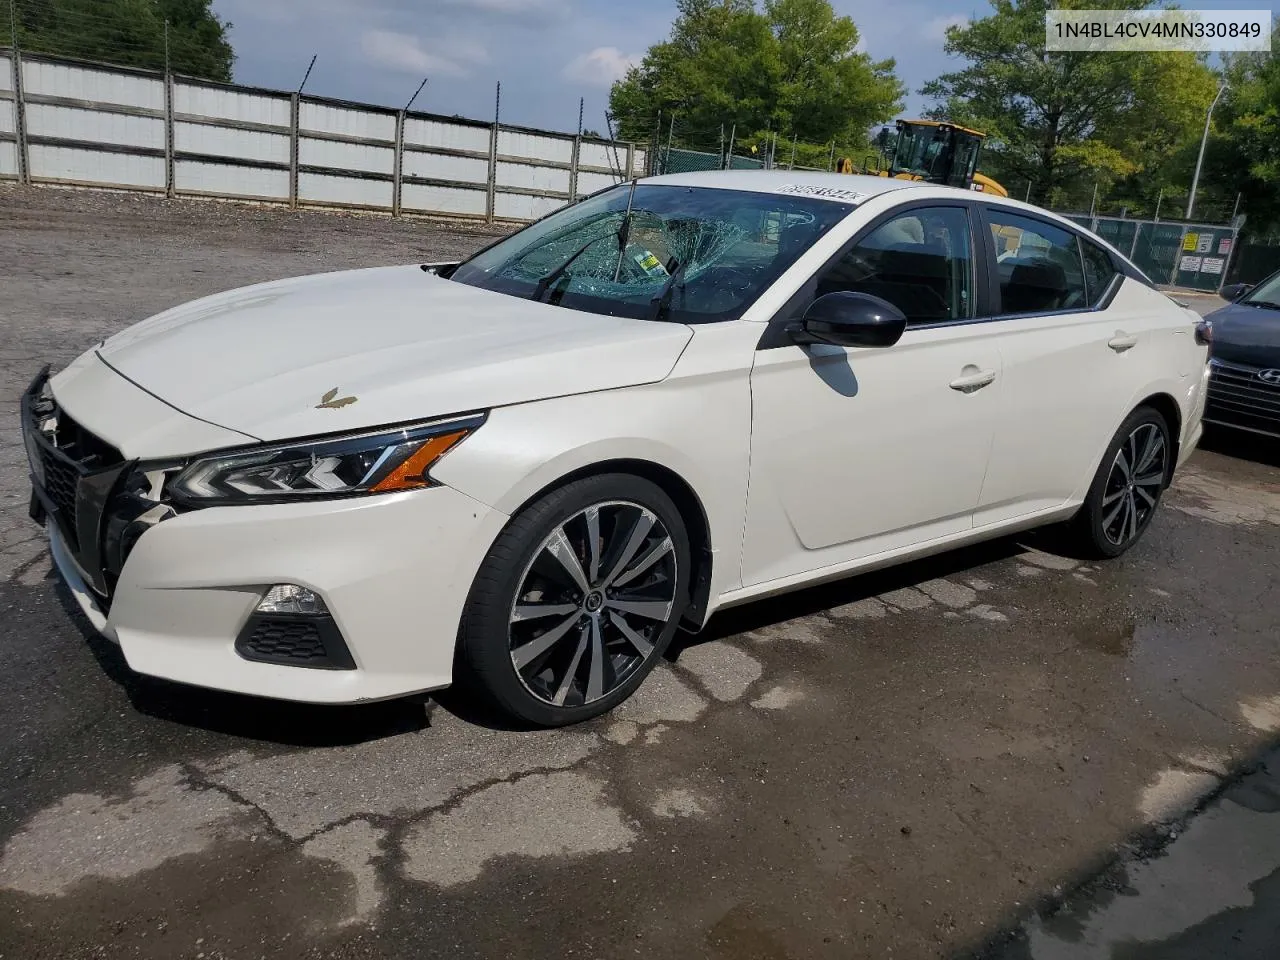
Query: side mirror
(1234,291)
(848,319)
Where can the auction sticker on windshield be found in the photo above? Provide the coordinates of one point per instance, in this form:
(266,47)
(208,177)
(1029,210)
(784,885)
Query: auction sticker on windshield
(827,193)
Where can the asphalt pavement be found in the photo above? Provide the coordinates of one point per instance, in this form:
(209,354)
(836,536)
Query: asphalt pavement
(1001,752)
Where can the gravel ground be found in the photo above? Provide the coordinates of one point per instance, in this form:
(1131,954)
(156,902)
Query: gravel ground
(905,764)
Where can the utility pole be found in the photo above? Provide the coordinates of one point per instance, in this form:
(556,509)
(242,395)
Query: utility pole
(166,47)
(1204,141)
(671,130)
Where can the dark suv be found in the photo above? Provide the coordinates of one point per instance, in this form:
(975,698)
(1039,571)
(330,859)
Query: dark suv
(1244,382)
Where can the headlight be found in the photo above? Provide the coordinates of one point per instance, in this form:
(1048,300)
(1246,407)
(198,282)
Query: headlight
(370,463)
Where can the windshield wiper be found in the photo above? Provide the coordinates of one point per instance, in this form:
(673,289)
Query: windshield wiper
(624,232)
(550,278)
(660,305)
(1265,304)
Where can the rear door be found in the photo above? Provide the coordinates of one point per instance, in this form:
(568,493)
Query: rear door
(1068,361)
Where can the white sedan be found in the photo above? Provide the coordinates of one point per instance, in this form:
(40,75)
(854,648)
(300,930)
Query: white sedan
(528,470)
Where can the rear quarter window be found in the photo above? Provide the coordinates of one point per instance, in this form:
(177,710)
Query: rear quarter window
(1099,271)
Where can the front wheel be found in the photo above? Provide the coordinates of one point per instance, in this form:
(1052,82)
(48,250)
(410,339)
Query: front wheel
(1127,487)
(577,600)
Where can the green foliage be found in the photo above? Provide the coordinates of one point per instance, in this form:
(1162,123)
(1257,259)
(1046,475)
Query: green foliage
(790,66)
(1066,120)
(1246,151)
(128,33)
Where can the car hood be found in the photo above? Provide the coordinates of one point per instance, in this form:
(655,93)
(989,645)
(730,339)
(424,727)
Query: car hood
(360,348)
(1247,335)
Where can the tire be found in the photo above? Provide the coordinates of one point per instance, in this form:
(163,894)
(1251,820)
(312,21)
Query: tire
(547,652)
(1119,506)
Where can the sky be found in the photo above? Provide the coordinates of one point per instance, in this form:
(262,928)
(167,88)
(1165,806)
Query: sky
(546,53)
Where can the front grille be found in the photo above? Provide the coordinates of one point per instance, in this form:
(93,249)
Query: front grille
(77,474)
(1238,396)
(60,481)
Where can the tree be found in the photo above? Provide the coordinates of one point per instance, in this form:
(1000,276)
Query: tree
(791,67)
(130,33)
(1061,119)
(1246,150)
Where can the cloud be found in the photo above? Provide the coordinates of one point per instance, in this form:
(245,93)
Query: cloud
(528,11)
(936,29)
(601,67)
(404,52)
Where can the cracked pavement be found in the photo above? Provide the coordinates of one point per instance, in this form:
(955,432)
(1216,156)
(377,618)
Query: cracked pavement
(907,763)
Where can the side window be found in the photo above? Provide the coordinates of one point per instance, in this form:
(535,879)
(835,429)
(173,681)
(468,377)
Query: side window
(1099,271)
(1038,264)
(920,261)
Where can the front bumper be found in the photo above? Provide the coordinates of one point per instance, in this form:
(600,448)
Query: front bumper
(1240,397)
(394,571)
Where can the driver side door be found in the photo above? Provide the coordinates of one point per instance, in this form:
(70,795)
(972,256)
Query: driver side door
(858,451)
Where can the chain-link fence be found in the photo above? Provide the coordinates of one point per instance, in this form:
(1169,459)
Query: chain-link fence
(674,147)
(1184,254)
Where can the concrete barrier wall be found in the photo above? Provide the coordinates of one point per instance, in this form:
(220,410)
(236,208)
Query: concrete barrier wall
(78,123)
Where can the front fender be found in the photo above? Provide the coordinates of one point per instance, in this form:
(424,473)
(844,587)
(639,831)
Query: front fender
(524,450)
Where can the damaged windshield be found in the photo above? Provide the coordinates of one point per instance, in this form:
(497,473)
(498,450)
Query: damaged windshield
(688,254)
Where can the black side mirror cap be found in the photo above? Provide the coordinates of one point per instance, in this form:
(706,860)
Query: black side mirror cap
(850,319)
(1234,291)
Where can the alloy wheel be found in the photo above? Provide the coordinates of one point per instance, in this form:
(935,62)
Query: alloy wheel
(1134,484)
(592,603)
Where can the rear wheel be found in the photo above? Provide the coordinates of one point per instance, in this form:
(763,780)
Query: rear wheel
(1127,487)
(577,600)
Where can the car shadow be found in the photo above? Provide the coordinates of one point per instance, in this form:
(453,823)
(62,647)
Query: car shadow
(1242,445)
(313,725)
(250,718)
(860,586)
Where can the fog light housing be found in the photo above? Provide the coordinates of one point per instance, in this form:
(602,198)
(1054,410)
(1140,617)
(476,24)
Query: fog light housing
(289,598)
(291,626)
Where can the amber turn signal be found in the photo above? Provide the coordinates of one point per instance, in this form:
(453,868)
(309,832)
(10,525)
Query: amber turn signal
(412,474)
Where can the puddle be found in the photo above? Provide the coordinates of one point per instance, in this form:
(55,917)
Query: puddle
(1216,879)
(1113,631)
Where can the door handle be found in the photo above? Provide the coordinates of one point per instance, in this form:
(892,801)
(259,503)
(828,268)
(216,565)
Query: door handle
(1122,342)
(971,382)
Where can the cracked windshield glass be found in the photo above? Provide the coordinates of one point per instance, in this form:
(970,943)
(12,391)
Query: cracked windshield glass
(691,255)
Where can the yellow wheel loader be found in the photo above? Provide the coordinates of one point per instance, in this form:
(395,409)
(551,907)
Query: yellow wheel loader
(935,151)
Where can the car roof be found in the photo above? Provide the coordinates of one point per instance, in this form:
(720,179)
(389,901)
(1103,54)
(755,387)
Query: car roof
(771,181)
(774,181)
